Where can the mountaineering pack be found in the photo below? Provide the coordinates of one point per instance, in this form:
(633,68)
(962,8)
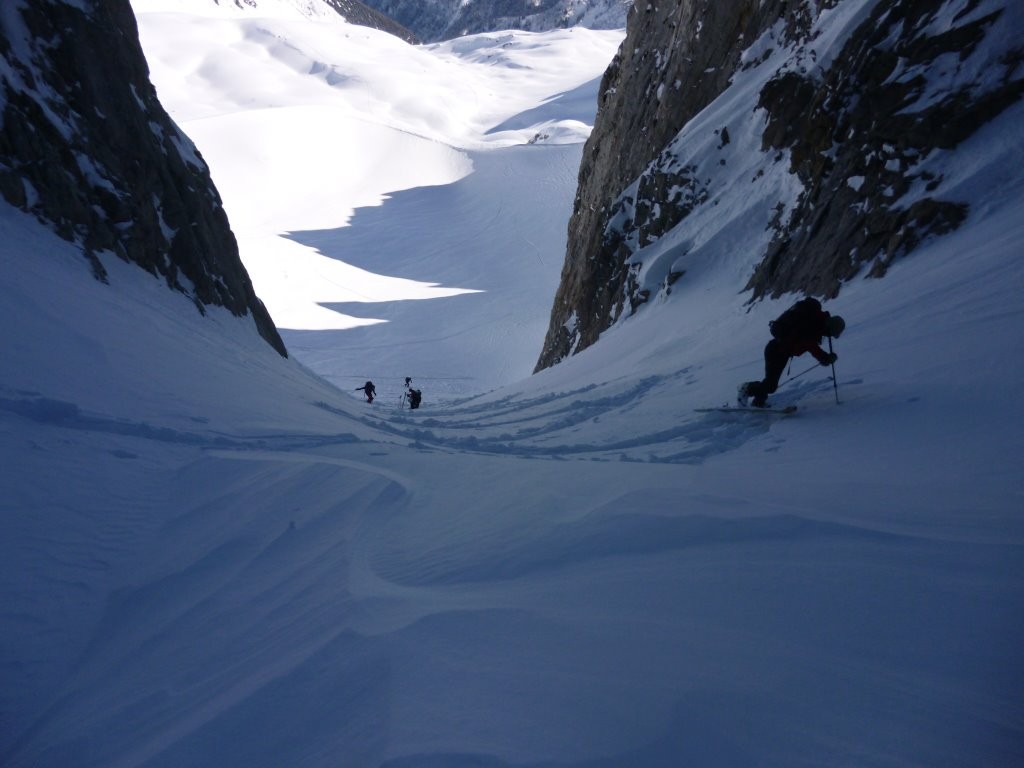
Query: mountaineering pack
(800,316)
(415,396)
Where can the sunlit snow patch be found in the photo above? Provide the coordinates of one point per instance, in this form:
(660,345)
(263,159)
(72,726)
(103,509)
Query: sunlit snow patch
(295,169)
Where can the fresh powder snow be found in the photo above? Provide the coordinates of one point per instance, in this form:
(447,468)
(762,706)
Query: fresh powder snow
(213,556)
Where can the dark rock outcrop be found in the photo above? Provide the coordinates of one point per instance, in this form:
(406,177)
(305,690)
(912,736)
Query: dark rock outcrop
(854,130)
(872,118)
(363,15)
(428,20)
(676,59)
(87,148)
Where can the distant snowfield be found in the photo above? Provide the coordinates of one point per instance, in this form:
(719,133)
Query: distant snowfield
(305,121)
(213,557)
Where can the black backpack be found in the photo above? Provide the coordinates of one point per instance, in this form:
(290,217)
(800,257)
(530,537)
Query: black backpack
(414,398)
(798,321)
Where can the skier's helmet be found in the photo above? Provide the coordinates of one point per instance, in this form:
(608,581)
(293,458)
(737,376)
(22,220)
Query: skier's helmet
(834,326)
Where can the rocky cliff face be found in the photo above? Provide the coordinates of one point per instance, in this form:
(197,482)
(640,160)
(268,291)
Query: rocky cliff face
(86,146)
(356,12)
(819,121)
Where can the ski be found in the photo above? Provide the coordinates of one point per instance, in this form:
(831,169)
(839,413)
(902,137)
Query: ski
(789,409)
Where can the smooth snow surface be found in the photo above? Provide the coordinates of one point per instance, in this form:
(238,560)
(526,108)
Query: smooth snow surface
(213,556)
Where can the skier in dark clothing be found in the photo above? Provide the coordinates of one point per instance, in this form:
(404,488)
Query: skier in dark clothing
(369,389)
(797,330)
(414,396)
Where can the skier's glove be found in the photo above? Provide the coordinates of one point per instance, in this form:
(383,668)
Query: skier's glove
(830,358)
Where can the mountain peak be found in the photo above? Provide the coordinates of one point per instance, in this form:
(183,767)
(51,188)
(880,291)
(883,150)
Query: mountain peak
(436,20)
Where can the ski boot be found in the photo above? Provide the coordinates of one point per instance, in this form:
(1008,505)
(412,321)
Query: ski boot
(742,395)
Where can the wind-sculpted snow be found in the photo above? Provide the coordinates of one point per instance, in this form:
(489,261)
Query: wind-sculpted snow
(603,534)
(59,413)
(222,589)
(284,574)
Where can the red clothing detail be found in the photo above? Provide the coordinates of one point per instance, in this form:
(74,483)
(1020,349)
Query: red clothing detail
(800,346)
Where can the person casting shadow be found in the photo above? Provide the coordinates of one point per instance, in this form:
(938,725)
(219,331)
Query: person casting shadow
(797,330)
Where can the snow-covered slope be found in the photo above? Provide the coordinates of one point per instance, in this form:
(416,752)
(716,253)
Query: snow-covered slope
(212,556)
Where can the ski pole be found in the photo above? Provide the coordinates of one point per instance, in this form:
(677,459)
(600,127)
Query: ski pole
(813,367)
(835,382)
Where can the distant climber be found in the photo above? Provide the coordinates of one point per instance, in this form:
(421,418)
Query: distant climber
(797,330)
(413,396)
(369,390)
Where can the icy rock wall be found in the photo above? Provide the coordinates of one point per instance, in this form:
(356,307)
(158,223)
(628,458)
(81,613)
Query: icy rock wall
(852,115)
(86,147)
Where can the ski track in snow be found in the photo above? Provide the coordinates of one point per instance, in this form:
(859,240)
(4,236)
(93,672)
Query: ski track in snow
(530,427)
(542,427)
